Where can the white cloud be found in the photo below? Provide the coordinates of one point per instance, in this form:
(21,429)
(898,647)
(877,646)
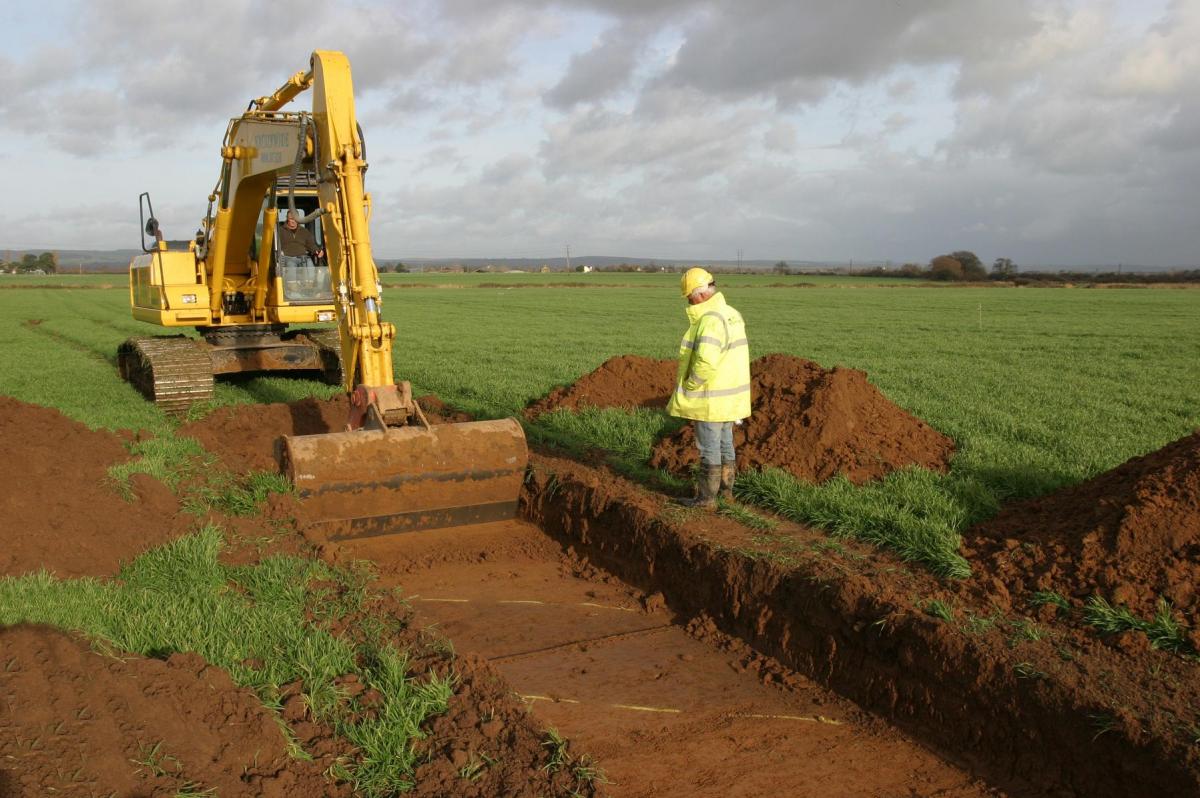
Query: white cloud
(602,70)
(1044,130)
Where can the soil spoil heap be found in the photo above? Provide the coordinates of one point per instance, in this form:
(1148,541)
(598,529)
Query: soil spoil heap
(813,422)
(818,423)
(91,724)
(624,381)
(61,510)
(1131,535)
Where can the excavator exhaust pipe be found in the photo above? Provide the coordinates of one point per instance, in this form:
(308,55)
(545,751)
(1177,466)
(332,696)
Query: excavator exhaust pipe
(404,479)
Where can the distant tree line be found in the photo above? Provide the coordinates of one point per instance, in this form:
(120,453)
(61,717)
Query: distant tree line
(46,262)
(1122,278)
(964,265)
(959,266)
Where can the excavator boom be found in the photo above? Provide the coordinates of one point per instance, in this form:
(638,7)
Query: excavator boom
(390,471)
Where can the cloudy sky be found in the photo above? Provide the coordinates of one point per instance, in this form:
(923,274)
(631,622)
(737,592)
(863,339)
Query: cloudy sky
(1047,131)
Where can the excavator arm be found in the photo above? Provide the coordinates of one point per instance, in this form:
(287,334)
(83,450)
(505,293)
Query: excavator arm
(375,400)
(331,136)
(390,471)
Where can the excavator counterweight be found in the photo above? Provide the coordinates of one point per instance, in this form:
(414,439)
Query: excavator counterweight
(389,471)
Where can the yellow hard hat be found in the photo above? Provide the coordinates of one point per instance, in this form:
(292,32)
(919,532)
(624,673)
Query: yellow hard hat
(694,278)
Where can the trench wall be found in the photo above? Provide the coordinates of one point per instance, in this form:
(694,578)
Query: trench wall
(957,694)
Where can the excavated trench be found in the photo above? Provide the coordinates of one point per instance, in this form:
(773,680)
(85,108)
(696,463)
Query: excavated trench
(664,706)
(854,624)
(659,698)
(665,646)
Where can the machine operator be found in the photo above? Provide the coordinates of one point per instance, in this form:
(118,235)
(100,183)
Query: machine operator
(297,243)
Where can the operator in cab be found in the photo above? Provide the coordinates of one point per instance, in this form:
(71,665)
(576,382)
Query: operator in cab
(297,243)
(712,385)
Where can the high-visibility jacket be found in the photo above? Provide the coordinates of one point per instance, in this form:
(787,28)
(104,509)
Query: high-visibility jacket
(713,381)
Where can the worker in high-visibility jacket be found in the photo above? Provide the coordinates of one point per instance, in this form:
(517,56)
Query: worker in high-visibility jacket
(712,386)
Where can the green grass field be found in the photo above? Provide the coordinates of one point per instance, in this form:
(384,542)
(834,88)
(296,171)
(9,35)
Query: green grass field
(1039,387)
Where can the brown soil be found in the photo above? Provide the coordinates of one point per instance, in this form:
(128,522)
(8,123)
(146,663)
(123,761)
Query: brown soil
(625,381)
(76,722)
(733,724)
(59,508)
(696,662)
(73,722)
(662,709)
(243,436)
(489,732)
(818,423)
(1060,713)
(1131,535)
(813,422)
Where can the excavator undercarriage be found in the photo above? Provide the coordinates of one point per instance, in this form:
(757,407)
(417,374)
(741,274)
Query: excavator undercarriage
(177,371)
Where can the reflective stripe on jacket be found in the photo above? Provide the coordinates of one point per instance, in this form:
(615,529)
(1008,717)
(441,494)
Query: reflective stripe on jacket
(713,380)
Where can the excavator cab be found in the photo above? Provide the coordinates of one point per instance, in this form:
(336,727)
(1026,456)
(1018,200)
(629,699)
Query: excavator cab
(306,281)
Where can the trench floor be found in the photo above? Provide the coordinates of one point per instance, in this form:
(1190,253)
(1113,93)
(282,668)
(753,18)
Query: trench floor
(662,711)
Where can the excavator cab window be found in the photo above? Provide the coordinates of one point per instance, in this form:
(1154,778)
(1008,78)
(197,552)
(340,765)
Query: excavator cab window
(305,279)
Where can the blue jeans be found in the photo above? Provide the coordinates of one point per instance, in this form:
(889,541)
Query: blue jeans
(294,261)
(714,439)
(303,280)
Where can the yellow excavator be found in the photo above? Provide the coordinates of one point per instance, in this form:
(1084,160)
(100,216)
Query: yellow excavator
(390,470)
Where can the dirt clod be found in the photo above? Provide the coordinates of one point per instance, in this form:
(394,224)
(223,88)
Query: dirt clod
(624,381)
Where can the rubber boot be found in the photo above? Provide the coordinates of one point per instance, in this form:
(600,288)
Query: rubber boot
(708,483)
(728,474)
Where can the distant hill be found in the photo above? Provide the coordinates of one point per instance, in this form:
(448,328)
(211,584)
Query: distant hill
(595,261)
(85,260)
(117,260)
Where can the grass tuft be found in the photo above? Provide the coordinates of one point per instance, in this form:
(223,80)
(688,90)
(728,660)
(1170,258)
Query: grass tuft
(242,495)
(1024,629)
(901,513)
(179,597)
(167,458)
(745,516)
(1041,598)
(1027,670)
(584,770)
(559,756)
(629,434)
(979,624)
(939,609)
(1163,630)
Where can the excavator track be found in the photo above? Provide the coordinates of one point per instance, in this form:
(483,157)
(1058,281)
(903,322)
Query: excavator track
(171,371)
(329,344)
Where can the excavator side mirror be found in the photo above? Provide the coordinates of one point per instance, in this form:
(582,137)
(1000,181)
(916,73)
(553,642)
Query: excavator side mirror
(150,227)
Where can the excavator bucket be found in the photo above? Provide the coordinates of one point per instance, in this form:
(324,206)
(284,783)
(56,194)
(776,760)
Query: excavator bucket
(370,482)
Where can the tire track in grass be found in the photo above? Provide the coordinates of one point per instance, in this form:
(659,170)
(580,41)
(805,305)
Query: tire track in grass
(131,330)
(45,367)
(37,327)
